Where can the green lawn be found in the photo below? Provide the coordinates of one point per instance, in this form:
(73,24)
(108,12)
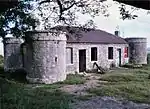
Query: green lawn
(131,84)
(17,95)
(74,79)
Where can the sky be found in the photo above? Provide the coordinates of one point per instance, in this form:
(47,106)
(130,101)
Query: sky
(139,27)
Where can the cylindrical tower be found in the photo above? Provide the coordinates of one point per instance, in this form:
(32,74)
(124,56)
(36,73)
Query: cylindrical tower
(137,50)
(46,57)
(12,54)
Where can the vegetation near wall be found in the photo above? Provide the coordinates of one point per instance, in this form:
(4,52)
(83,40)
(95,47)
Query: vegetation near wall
(1,61)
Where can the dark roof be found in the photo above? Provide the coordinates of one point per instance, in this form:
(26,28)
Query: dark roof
(92,36)
(97,36)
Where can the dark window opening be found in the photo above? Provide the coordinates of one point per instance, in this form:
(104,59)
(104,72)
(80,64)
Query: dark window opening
(110,52)
(94,54)
(69,55)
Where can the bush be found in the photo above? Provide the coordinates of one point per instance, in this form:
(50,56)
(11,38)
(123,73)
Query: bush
(1,60)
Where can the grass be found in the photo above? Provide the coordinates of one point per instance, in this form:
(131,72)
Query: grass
(130,84)
(84,97)
(20,95)
(74,79)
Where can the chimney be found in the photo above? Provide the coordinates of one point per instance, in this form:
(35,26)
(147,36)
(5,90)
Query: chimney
(117,33)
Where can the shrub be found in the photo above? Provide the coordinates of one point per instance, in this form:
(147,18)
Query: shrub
(1,60)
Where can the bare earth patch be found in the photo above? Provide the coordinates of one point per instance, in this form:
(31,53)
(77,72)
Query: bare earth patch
(92,81)
(108,103)
(119,89)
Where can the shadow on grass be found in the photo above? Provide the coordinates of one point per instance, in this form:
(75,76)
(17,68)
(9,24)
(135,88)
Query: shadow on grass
(18,96)
(18,75)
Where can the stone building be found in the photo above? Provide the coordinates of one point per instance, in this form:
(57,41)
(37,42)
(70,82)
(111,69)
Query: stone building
(95,46)
(48,57)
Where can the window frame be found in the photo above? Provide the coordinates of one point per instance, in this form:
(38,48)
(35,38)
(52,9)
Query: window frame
(110,55)
(95,54)
(71,61)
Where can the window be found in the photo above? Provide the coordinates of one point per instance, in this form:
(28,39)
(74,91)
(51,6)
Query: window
(69,55)
(110,52)
(126,52)
(93,54)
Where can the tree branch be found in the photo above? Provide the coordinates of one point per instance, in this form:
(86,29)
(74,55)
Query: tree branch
(45,1)
(60,8)
(69,7)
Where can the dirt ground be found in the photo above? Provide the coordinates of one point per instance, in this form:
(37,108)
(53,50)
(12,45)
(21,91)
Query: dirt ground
(108,103)
(80,89)
(97,102)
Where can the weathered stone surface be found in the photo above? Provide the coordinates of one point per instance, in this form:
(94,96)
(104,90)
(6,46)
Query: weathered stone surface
(12,54)
(102,55)
(46,55)
(138,50)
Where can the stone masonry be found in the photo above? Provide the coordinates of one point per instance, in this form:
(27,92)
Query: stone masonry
(138,50)
(44,53)
(102,55)
(43,56)
(12,54)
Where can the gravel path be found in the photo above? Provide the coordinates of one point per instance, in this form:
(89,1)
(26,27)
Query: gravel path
(108,103)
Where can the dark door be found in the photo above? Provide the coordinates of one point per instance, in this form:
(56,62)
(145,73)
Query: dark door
(119,57)
(82,60)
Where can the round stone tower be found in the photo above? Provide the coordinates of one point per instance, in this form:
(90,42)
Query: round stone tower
(46,56)
(137,50)
(12,54)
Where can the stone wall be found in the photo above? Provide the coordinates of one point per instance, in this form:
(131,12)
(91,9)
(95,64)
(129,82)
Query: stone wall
(45,53)
(102,55)
(12,54)
(138,50)
(43,56)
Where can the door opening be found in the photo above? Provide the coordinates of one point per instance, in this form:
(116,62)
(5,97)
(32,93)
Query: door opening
(118,57)
(82,60)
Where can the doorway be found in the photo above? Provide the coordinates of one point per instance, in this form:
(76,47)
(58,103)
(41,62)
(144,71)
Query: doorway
(118,57)
(82,60)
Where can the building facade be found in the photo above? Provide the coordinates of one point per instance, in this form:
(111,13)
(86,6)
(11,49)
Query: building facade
(48,57)
(81,56)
